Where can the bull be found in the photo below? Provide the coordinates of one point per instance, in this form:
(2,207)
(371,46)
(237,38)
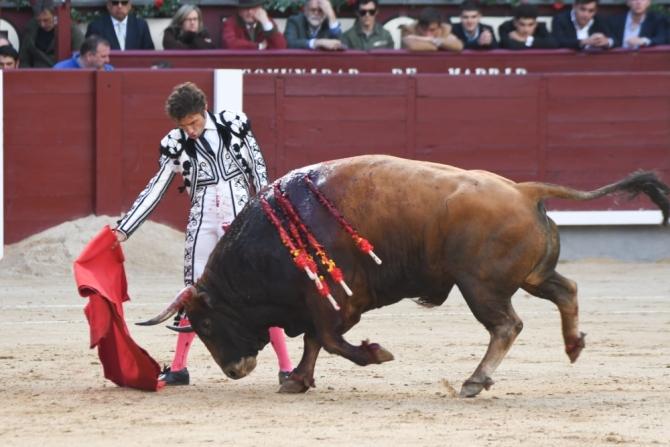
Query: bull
(434,227)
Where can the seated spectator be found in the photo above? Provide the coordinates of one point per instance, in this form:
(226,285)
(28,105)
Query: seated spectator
(9,57)
(525,32)
(4,41)
(93,55)
(474,35)
(186,31)
(367,34)
(251,29)
(311,30)
(582,27)
(428,33)
(124,31)
(638,28)
(38,49)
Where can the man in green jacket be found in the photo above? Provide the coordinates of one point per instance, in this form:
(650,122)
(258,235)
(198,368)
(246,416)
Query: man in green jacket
(38,49)
(367,34)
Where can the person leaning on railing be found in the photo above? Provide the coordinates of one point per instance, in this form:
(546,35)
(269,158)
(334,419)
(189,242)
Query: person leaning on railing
(525,32)
(638,27)
(428,33)
(316,28)
(38,49)
(186,31)
(367,34)
(251,29)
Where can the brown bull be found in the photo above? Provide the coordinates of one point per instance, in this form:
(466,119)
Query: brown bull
(433,226)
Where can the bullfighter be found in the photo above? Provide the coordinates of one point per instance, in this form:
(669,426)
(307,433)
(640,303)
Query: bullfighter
(220,161)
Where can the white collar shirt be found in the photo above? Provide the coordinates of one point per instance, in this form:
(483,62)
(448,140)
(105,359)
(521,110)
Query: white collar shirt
(582,33)
(475,36)
(629,31)
(120,28)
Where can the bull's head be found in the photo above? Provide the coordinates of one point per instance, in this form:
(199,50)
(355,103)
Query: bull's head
(233,344)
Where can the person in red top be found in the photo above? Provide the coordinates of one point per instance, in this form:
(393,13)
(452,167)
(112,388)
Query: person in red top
(251,29)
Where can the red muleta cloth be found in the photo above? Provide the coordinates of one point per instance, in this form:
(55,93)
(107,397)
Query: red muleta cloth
(101,277)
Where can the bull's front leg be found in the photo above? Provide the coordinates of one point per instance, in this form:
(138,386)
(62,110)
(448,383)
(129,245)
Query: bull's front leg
(302,378)
(330,328)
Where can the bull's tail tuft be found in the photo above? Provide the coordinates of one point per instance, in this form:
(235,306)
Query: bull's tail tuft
(645,182)
(648,183)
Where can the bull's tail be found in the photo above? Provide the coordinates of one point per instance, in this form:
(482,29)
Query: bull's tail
(640,182)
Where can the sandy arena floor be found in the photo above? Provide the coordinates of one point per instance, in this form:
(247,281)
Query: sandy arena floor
(52,391)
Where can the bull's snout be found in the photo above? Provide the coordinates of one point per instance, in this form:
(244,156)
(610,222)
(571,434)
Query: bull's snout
(240,369)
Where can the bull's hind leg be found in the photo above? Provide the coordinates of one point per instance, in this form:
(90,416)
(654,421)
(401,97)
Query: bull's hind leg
(504,325)
(302,378)
(563,293)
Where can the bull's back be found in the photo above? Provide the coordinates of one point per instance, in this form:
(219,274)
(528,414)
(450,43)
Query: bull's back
(431,216)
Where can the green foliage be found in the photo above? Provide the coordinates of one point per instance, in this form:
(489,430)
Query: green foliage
(664,10)
(160,8)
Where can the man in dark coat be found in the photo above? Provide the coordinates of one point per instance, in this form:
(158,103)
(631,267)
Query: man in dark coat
(316,28)
(124,31)
(525,32)
(474,35)
(38,49)
(637,27)
(582,27)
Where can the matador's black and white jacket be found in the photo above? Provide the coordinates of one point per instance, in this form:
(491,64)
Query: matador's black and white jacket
(238,164)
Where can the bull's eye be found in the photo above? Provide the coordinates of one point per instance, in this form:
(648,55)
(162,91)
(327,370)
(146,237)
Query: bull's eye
(206,327)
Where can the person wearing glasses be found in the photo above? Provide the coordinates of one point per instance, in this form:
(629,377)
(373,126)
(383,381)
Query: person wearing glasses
(123,30)
(186,31)
(367,34)
(38,49)
(316,28)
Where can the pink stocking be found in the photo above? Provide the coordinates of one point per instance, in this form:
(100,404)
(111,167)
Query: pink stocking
(279,345)
(184,341)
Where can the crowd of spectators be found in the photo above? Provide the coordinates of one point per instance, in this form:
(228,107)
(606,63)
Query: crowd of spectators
(317,28)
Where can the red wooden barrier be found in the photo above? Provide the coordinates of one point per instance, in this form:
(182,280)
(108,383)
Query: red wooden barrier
(404,62)
(80,142)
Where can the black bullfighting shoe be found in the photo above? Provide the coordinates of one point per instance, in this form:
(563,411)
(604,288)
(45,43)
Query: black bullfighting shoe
(283,375)
(174,377)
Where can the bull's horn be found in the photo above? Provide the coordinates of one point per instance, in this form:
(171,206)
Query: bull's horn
(185,329)
(185,295)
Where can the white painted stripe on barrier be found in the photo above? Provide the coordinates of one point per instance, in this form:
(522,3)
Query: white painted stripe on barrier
(228,90)
(641,217)
(2,169)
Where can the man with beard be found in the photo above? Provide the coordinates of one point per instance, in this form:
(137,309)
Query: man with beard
(367,34)
(311,30)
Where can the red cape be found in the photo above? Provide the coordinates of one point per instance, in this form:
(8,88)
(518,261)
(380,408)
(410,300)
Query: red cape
(100,276)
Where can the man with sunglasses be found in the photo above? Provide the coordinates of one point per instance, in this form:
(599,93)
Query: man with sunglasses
(316,28)
(123,30)
(367,34)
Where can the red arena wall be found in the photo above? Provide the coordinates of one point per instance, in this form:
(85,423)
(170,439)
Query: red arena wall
(78,143)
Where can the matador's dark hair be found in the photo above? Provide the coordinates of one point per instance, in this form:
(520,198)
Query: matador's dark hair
(185,99)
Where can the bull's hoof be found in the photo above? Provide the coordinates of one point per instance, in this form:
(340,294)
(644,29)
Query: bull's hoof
(292,386)
(574,348)
(471,389)
(376,353)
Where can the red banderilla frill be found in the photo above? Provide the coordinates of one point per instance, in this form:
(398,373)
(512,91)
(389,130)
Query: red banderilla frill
(361,243)
(300,257)
(295,221)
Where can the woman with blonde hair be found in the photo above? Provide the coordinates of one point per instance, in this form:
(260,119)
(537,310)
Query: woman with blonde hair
(186,31)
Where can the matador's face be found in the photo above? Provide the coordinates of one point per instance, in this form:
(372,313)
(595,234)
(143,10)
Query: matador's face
(193,124)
